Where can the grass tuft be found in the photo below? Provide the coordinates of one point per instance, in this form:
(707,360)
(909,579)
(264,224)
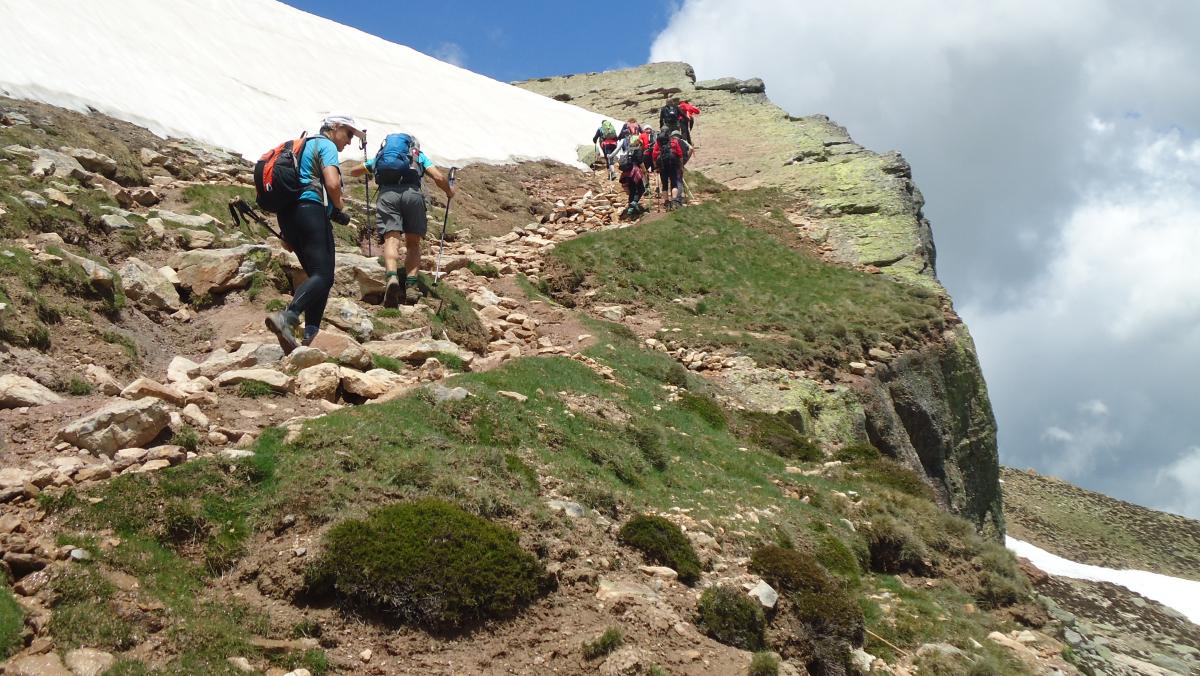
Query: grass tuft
(605,643)
(730,616)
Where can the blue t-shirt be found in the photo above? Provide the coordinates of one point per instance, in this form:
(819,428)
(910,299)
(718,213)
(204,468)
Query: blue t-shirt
(322,147)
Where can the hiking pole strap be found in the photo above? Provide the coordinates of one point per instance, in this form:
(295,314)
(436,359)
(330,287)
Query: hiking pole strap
(437,268)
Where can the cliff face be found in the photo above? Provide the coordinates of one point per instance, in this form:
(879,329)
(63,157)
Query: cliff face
(928,408)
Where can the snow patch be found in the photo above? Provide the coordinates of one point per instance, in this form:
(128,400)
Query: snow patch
(1176,593)
(249,74)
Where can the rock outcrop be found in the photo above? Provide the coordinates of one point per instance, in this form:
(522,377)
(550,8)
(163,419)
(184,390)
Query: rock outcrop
(928,408)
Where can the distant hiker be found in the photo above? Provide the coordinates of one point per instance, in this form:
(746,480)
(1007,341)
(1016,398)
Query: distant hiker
(607,138)
(399,167)
(630,128)
(689,115)
(671,116)
(632,175)
(305,222)
(668,159)
(648,137)
(685,147)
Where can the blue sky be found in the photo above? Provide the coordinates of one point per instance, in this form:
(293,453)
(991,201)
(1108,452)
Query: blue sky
(511,41)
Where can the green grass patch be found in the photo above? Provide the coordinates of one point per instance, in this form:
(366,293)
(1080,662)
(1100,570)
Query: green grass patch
(664,543)
(743,288)
(84,615)
(12,621)
(451,361)
(429,563)
(188,438)
(79,387)
(213,200)
(125,343)
(485,270)
(605,643)
(275,305)
(388,363)
(254,389)
(764,664)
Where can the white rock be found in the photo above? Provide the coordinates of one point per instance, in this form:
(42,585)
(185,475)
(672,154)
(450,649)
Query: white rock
(766,595)
(182,370)
(195,416)
(319,381)
(303,357)
(100,377)
(19,391)
(145,284)
(515,396)
(278,381)
(349,316)
(120,424)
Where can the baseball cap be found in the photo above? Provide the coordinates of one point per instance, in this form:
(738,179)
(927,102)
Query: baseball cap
(342,119)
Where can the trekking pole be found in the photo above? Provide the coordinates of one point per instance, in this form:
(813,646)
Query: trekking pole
(445,220)
(367,197)
(239,210)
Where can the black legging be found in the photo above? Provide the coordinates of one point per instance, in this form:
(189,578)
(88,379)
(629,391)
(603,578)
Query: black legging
(307,230)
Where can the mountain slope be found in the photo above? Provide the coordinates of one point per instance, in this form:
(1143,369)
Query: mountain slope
(246,74)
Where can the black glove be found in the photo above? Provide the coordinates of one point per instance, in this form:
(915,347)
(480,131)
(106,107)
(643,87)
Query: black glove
(340,217)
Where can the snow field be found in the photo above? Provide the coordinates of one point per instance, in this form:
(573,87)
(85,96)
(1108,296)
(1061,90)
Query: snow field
(249,74)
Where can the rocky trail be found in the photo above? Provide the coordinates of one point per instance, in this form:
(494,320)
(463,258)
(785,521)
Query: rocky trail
(182,369)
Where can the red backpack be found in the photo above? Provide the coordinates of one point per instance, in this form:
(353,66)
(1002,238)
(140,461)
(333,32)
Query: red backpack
(277,176)
(676,150)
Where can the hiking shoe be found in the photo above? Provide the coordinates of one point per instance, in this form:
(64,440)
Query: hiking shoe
(394,294)
(283,324)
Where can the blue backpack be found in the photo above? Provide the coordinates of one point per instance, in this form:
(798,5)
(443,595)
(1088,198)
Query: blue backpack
(398,160)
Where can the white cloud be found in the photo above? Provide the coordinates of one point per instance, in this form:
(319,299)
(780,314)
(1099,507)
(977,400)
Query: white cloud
(1056,145)
(1094,407)
(1181,479)
(452,53)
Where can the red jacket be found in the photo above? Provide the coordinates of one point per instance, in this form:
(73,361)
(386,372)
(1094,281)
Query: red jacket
(688,109)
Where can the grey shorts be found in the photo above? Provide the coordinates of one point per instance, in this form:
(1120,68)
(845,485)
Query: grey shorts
(401,210)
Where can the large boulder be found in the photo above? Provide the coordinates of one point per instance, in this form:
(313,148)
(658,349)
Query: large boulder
(53,163)
(319,382)
(417,351)
(146,285)
(370,385)
(278,381)
(120,424)
(93,161)
(17,391)
(208,271)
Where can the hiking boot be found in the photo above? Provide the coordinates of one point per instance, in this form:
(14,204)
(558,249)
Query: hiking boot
(284,324)
(393,294)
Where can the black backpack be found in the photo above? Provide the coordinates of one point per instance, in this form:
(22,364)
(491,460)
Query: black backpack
(277,176)
(671,115)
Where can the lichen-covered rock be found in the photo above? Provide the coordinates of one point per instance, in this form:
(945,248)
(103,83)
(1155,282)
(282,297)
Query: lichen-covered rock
(930,410)
(120,424)
(319,382)
(349,316)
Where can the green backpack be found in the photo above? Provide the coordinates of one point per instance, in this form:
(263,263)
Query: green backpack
(607,130)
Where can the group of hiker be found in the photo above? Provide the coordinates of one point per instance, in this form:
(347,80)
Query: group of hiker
(639,150)
(301,182)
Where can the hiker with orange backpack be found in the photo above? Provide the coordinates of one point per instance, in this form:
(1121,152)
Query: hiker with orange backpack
(301,182)
(629,161)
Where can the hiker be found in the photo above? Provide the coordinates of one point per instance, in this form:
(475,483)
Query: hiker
(398,168)
(306,228)
(648,137)
(689,115)
(633,178)
(670,117)
(668,159)
(685,148)
(607,137)
(630,128)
